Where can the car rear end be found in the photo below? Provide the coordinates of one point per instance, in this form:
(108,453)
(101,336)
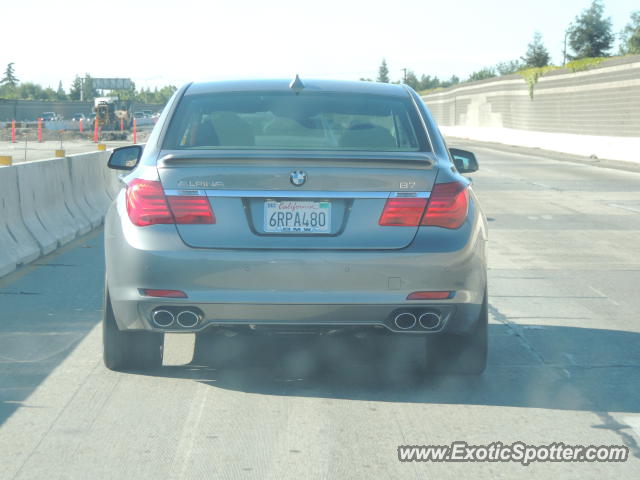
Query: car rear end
(325,208)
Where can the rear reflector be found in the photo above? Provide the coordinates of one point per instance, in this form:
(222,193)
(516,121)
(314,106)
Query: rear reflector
(149,292)
(430,295)
(148,205)
(402,212)
(448,205)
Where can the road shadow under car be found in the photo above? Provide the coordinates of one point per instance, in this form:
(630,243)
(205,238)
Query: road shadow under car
(534,366)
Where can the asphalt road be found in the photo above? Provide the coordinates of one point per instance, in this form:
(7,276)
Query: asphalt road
(564,364)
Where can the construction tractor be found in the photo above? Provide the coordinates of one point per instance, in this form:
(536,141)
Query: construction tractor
(112,114)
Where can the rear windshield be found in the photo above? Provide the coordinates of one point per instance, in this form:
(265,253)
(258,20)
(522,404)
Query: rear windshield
(286,121)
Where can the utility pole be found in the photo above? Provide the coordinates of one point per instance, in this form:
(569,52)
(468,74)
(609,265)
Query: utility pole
(404,76)
(564,51)
(81,89)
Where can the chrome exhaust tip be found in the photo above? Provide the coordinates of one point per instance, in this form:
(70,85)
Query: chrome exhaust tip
(429,320)
(405,321)
(187,319)
(162,318)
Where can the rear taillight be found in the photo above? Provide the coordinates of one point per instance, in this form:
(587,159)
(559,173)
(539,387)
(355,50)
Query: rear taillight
(147,205)
(189,210)
(402,212)
(448,205)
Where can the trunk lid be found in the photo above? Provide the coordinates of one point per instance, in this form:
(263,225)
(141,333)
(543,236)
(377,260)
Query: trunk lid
(257,206)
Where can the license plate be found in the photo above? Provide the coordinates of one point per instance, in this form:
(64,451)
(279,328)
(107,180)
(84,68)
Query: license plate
(294,216)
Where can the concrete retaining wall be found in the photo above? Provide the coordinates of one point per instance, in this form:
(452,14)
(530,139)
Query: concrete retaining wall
(593,107)
(48,203)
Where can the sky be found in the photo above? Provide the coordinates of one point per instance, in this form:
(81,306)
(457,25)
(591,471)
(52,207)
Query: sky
(157,42)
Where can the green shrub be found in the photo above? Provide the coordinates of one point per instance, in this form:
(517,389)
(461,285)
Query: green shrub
(531,76)
(585,63)
(432,90)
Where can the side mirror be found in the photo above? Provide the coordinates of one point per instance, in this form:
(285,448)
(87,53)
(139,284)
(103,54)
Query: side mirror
(125,158)
(464,161)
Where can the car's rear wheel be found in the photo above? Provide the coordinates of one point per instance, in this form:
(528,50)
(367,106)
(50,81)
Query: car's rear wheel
(460,354)
(129,350)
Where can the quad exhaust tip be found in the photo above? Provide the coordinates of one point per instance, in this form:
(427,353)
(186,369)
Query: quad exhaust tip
(163,318)
(429,320)
(187,319)
(170,317)
(418,321)
(405,321)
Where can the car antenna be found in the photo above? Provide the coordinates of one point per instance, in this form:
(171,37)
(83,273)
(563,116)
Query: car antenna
(296,85)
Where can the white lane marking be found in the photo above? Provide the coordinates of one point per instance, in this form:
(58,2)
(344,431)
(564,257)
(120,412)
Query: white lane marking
(634,423)
(543,185)
(595,290)
(190,429)
(624,207)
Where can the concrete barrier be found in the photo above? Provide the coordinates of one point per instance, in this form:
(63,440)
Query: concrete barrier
(9,251)
(47,203)
(7,254)
(112,182)
(15,240)
(87,179)
(81,222)
(29,210)
(42,203)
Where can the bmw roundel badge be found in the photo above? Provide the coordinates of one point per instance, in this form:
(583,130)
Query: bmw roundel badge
(298,177)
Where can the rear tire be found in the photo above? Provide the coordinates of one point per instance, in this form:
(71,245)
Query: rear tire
(129,350)
(460,354)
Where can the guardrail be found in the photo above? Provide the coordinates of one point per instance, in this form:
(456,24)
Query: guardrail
(46,204)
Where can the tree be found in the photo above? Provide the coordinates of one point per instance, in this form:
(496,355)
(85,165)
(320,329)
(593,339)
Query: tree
(60,93)
(383,72)
(165,93)
(507,68)
(88,91)
(428,82)
(48,94)
(9,77)
(74,90)
(537,54)
(452,81)
(411,79)
(482,74)
(630,36)
(82,89)
(33,91)
(590,34)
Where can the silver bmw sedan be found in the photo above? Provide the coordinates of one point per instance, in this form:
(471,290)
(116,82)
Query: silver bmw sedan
(296,204)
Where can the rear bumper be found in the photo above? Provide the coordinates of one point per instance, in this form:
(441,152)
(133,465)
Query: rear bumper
(457,318)
(294,287)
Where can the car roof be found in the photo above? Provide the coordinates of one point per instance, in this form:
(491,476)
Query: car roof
(282,85)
